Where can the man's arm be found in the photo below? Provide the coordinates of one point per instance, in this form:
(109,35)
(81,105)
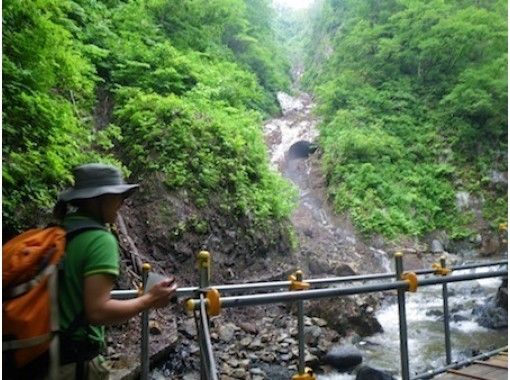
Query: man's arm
(100,309)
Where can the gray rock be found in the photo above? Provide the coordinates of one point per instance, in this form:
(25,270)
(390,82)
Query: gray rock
(239,373)
(343,358)
(245,342)
(191,376)
(312,335)
(369,373)
(319,322)
(491,316)
(462,200)
(436,246)
(459,318)
(257,371)
(188,328)
(498,177)
(227,331)
(249,327)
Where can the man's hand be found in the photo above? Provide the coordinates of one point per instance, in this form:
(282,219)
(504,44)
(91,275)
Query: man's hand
(161,293)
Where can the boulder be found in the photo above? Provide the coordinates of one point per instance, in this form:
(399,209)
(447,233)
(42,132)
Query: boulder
(369,373)
(490,244)
(343,358)
(491,316)
(502,295)
(348,314)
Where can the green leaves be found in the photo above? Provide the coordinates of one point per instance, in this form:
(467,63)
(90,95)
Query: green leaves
(413,97)
(156,84)
(206,148)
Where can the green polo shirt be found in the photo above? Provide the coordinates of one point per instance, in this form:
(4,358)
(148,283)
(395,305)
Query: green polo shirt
(90,252)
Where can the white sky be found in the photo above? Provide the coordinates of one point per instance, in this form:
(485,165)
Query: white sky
(297,4)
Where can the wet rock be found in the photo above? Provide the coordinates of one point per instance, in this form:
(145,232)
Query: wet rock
(502,295)
(434,313)
(343,358)
(320,267)
(491,316)
(369,373)
(348,314)
(459,318)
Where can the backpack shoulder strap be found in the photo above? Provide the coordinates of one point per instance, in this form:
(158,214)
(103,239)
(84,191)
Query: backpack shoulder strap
(86,225)
(82,226)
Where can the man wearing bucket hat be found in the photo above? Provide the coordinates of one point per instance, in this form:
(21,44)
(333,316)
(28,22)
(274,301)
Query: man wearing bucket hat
(90,267)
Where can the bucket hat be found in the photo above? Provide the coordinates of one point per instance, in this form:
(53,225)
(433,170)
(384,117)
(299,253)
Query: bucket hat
(93,180)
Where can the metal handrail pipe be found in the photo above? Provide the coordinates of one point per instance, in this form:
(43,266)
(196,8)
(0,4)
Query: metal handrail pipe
(268,298)
(480,265)
(189,292)
(461,277)
(430,374)
(186,292)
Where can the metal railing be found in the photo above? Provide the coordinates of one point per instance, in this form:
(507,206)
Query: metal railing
(206,301)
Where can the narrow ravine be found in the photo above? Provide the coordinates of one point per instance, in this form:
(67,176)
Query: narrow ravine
(326,239)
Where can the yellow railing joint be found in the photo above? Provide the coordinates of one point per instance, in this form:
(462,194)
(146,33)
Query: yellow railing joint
(307,375)
(412,280)
(297,283)
(439,270)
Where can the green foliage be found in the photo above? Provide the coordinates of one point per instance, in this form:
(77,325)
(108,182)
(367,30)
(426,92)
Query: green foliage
(46,80)
(186,101)
(412,96)
(205,148)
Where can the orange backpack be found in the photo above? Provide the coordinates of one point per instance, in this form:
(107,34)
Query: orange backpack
(30,263)
(29,268)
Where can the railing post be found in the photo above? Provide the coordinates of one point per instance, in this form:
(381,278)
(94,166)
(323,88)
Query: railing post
(297,283)
(404,354)
(144,351)
(301,329)
(204,273)
(446,312)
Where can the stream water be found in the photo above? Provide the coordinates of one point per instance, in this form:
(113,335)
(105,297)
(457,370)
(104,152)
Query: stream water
(424,308)
(426,329)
